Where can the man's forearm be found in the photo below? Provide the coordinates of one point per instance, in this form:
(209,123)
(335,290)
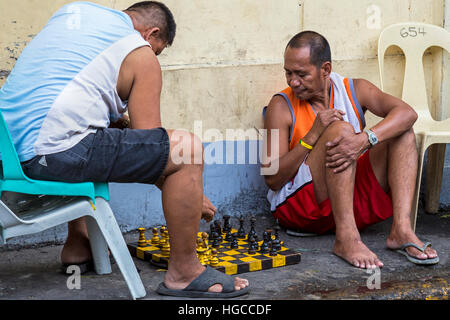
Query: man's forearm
(288,167)
(396,122)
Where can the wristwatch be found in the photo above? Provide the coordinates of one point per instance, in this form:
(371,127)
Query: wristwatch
(373,139)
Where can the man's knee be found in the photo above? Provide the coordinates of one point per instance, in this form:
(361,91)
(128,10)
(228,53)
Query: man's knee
(339,128)
(185,148)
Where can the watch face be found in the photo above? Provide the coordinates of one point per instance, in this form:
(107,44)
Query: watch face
(373,138)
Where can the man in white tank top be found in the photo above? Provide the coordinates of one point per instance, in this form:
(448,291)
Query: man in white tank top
(326,180)
(89,65)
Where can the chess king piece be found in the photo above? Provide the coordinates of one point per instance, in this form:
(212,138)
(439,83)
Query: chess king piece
(142,242)
(241,232)
(155,239)
(214,261)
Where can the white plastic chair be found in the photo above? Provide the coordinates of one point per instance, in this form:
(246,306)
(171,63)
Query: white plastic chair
(55,203)
(102,227)
(414,39)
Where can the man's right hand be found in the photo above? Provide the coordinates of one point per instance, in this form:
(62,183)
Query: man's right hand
(323,119)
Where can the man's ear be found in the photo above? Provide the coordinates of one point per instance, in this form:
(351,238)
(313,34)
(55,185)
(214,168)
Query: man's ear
(148,33)
(326,70)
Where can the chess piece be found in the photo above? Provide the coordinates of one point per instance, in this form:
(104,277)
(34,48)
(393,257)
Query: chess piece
(214,261)
(241,231)
(201,256)
(276,241)
(155,238)
(218,227)
(273,249)
(165,248)
(251,247)
(226,223)
(216,242)
(211,231)
(234,243)
(205,239)
(265,244)
(252,231)
(228,236)
(142,242)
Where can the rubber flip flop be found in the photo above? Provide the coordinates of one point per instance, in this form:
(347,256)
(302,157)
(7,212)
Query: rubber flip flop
(198,288)
(298,233)
(84,267)
(402,250)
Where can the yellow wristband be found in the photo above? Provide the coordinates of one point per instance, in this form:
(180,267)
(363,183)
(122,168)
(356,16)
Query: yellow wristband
(307,146)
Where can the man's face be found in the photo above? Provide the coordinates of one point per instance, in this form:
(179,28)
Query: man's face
(305,79)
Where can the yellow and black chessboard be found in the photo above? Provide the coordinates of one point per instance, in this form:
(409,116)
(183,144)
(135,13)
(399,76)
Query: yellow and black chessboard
(231,261)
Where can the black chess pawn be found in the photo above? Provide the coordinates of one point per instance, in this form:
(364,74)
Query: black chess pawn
(241,231)
(226,223)
(265,244)
(252,227)
(234,243)
(228,236)
(277,241)
(218,226)
(216,242)
(273,249)
(211,232)
(251,247)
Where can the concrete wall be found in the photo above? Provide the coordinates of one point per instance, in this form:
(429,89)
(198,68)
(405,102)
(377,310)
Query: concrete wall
(224,66)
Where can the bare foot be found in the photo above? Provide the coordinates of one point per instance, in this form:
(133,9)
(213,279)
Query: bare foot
(398,237)
(76,250)
(179,282)
(356,253)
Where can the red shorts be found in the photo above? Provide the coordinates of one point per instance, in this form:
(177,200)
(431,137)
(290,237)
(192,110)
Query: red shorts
(371,204)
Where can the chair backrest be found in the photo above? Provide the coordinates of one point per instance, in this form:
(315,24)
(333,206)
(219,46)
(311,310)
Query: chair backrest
(414,39)
(12,170)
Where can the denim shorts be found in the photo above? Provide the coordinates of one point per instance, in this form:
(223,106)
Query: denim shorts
(109,155)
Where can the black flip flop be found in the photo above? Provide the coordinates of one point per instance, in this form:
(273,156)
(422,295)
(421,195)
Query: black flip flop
(84,267)
(198,288)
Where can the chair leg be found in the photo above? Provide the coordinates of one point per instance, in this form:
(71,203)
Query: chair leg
(111,232)
(99,247)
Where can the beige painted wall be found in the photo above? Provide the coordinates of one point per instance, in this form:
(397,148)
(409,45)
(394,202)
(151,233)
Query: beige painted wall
(226,61)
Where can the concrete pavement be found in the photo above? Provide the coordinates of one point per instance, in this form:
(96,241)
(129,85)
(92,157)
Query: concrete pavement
(32,273)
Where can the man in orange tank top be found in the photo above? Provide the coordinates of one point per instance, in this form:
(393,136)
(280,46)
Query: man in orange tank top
(334,175)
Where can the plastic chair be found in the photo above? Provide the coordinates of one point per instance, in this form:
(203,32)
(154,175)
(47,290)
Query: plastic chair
(414,39)
(86,200)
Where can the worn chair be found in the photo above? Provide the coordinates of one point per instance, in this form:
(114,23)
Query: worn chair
(75,200)
(414,39)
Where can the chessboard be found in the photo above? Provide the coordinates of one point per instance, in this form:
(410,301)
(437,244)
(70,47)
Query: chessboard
(236,260)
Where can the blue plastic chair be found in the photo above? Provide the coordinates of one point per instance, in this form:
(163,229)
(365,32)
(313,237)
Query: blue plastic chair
(76,200)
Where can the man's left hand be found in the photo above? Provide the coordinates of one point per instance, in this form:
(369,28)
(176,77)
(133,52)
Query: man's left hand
(344,150)
(208,209)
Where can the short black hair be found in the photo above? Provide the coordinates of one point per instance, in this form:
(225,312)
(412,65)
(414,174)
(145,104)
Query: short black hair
(156,14)
(319,48)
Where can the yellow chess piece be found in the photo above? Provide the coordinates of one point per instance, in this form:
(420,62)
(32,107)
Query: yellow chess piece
(165,247)
(155,238)
(214,261)
(162,231)
(142,242)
